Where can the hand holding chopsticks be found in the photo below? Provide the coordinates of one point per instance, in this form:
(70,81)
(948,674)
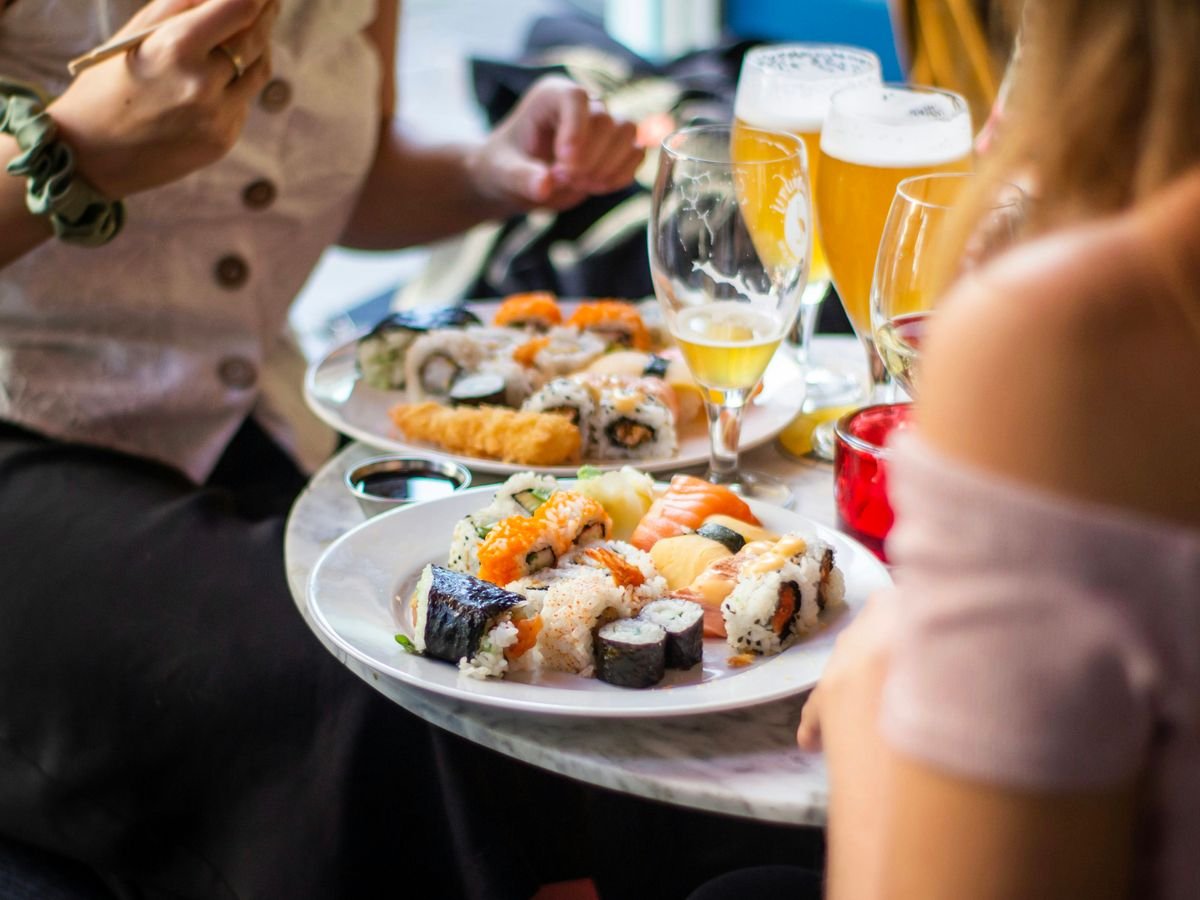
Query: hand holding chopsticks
(178,99)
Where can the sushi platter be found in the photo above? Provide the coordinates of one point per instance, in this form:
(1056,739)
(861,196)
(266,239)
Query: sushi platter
(469,375)
(396,593)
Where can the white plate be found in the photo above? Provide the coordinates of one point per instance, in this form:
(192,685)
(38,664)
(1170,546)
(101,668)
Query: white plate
(336,394)
(360,586)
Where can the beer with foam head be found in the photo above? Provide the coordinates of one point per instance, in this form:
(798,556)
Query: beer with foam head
(874,138)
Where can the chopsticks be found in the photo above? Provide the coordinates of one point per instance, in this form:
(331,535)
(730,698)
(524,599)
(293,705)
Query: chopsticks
(111,49)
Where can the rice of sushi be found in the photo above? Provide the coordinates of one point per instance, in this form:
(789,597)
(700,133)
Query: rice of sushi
(519,382)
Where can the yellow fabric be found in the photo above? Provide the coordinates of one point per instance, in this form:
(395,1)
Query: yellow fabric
(949,50)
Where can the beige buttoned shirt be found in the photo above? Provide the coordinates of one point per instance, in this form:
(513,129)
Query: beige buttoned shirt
(162,342)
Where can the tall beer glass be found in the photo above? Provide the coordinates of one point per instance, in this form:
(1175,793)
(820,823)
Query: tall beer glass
(787,87)
(874,137)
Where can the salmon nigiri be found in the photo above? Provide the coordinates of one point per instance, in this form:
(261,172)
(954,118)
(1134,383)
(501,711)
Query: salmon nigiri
(688,501)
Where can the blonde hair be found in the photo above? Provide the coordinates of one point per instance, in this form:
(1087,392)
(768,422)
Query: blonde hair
(1104,108)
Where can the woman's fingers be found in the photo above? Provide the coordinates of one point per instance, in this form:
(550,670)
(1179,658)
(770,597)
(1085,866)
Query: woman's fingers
(808,735)
(203,27)
(237,56)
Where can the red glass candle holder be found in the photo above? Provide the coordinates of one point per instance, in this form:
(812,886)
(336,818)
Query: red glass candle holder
(860,471)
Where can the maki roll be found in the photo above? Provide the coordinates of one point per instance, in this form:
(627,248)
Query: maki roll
(683,622)
(631,424)
(476,625)
(567,397)
(767,611)
(436,360)
(380,353)
(566,350)
(520,495)
(631,653)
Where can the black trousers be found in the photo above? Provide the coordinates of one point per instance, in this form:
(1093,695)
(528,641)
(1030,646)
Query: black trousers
(167,718)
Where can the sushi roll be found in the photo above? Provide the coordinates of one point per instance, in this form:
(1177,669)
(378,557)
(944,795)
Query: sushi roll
(568,397)
(476,625)
(631,653)
(575,518)
(380,353)
(519,382)
(436,360)
(683,621)
(516,547)
(615,321)
(520,495)
(535,311)
(631,424)
(768,611)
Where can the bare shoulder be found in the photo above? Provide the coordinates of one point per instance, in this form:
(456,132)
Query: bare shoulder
(1071,364)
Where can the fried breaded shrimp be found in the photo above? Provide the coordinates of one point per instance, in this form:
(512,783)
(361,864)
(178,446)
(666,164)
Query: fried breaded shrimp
(528,438)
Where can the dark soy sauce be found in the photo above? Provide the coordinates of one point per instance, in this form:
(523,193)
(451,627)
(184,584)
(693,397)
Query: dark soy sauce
(413,486)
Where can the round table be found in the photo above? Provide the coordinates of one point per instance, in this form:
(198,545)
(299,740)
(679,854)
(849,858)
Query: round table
(741,763)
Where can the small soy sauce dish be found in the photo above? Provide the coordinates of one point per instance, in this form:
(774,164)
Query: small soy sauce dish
(389,482)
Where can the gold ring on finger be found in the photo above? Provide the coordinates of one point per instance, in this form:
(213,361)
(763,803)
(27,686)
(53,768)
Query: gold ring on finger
(239,67)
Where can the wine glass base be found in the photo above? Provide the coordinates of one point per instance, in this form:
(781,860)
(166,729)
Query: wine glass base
(829,387)
(823,440)
(759,486)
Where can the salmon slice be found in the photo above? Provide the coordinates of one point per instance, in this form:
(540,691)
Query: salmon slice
(687,502)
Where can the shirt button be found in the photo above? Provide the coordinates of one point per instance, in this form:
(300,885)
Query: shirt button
(237,372)
(276,95)
(259,194)
(231,272)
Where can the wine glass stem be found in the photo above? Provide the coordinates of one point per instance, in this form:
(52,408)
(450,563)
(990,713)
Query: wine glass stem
(725,429)
(806,325)
(882,387)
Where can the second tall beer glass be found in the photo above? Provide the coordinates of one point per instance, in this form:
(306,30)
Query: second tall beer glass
(875,137)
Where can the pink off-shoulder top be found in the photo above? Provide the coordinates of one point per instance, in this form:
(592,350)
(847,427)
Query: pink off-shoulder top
(1049,644)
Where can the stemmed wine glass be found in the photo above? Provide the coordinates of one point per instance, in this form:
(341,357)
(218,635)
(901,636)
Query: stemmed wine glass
(787,87)
(730,239)
(920,251)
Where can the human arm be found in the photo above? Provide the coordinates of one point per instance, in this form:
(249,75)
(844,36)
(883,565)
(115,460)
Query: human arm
(554,149)
(149,117)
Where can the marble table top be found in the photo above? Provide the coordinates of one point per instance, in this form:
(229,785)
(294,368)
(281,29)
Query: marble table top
(742,763)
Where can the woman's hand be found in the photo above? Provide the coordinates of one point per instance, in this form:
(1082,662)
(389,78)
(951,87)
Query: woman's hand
(842,713)
(176,103)
(555,148)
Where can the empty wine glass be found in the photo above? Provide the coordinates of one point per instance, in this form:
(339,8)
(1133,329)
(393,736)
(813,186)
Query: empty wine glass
(730,239)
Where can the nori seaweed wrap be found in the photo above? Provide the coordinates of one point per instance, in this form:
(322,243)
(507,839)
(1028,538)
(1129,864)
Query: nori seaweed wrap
(380,353)
(631,653)
(455,611)
(683,621)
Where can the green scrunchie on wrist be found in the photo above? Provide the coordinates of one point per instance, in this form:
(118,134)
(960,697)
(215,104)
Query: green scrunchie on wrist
(78,212)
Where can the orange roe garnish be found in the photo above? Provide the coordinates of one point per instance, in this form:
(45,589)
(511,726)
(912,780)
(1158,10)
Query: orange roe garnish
(599,313)
(519,308)
(624,573)
(528,351)
(740,661)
